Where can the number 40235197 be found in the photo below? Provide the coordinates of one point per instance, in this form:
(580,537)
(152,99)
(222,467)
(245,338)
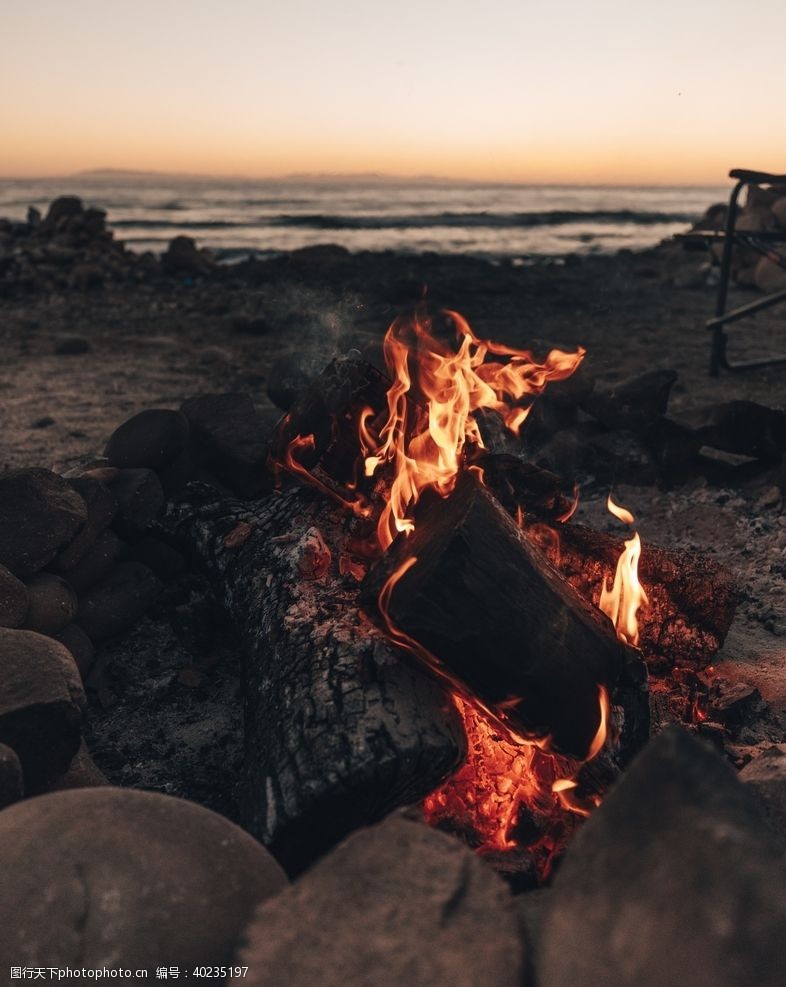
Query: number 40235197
(219,971)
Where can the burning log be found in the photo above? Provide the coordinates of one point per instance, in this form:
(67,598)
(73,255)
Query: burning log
(492,608)
(338,730)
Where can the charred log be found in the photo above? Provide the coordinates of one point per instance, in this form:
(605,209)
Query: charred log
(488,603)
(338,729)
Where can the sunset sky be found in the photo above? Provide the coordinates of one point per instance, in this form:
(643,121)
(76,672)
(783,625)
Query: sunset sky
(676,91)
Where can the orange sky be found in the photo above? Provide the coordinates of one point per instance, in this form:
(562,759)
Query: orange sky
(602,91)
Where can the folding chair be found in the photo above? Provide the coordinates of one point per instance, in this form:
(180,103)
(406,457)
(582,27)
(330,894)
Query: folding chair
(762,243)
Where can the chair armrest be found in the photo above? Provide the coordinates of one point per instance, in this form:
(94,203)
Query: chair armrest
(756,177)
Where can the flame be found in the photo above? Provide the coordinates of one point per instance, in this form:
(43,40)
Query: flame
(622,600)
(358,505)
(424,438)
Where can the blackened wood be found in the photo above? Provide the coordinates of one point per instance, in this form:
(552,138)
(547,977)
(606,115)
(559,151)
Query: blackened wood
(338,728)
(633,404)
(488,603)
(692,598)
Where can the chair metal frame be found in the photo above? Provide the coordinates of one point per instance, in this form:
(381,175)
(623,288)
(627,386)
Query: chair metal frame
(762,243)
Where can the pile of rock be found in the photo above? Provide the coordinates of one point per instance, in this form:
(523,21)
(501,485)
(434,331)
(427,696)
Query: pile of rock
(764,211)
(71,248)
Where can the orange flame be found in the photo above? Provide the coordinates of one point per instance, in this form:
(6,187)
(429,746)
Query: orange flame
(622,600)
(425,439)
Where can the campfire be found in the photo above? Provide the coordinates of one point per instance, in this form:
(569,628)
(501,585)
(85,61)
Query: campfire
(540,631)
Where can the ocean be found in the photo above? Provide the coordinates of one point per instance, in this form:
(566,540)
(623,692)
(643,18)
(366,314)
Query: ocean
(238,218)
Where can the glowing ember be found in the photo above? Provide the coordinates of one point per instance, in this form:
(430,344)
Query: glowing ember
(623,599)
(424,438)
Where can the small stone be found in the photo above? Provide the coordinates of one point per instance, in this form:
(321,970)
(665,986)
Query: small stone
(39,514)
(140,499)
(182,256)
(97,562)
(733,702)
(11,780)
(80,646)
(52,604)
(114,605)
(71,346)
(151,439)
(41,704)
(398,903)
(13,599)
(108,877)
(44,422)
(101,509)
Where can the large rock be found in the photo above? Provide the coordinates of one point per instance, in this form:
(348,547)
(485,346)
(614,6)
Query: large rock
(230,437)
(151,439)
(61,208)
(395,904)
(41,704)
(97,562)
(769,276)
(140,499)
(11,782)
(113,606)
(39,514)
(182,256)
(675,879)
(80,646)
(13,599)
(108,877)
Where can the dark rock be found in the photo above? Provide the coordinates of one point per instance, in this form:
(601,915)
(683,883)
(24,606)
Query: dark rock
(730,704)
(675,879)
(745,428)
(13,599)
(157,882)
(44,422)
(61,208)
(399,903)
(71,346)
(96,563)
(621,455)
(182,256)
(87,276)
(94,221)
(101,508)
(765,777)
(247,325)
(39,514)
(230,439)
(151,439)
(11,780)
(82,772)
(290,377)
(80,646)
(114,605)
(52,604)
(41,703)
(179,473)
(165,561)
(634,403)
(140,499)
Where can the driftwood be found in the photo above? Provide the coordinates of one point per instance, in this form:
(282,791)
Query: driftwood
(338,729)
(487,602)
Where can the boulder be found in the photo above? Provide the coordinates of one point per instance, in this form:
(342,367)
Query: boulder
(398,903)
(112,606)
(52,604)
(182,256)
(13,599)
(675,879)
(165,561)
(61,208)
(769,276)
(107,877)
(11,781)
(39,514)
(230,439)
(41,703)
(151,439)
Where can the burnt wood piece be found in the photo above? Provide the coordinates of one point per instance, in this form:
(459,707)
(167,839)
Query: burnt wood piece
(328,409)
(338,728)
(492,608)
(633,404)
(692,599)
(517,483)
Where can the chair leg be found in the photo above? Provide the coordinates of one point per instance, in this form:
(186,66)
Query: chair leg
(718,351)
